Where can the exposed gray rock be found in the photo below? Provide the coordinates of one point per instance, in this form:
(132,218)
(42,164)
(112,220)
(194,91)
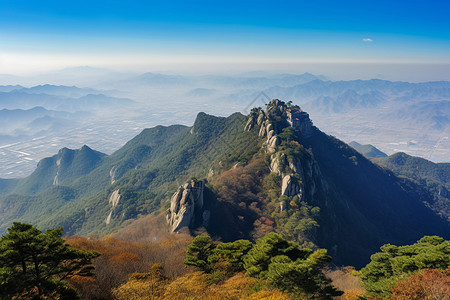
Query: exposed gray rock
(295,166)
(278,163)
(256,118)
(250,124)
(210,173)
(262,130)
(270,134)
(114,198)
(273,143)
(108,218)
(261,117)
(290,186)
(300,121)
(56,179)
(184,203)
(112,174)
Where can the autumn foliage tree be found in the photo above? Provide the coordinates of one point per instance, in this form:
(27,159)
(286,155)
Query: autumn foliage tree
(428,284)
(120,259)
(149,285)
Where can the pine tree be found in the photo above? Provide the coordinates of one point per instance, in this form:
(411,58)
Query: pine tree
(35,264)
(198,252)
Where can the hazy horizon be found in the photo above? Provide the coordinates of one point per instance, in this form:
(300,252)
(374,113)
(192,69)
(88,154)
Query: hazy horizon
(401,40)
(332,71)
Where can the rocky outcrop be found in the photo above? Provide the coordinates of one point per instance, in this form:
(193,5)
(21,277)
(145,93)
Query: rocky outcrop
(291,186)
(112,174)
(261,117)
(185,204)
(56,179)
(263,130)
(113,200)
(272,144)
(256,118)
(278,163)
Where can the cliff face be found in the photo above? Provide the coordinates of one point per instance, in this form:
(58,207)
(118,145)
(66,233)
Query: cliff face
(185,204)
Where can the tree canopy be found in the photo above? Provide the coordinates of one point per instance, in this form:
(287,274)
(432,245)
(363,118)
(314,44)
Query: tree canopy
(276,262)
(198,252)
(35,264)
(395,263)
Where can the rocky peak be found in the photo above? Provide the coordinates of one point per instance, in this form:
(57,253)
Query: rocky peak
(278,111)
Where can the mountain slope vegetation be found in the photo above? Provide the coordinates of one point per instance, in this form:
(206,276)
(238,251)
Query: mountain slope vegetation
(270,171)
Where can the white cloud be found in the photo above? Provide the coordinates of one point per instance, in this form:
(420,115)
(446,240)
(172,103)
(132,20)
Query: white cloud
(367,40)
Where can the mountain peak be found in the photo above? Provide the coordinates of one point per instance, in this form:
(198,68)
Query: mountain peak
(367,150)
(278,116)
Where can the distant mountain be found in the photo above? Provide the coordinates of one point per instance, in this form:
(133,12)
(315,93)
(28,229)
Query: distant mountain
(431,114)
(19,122)
(157,79)
(259,82)
(376,110)
(340,96)
(237,82)
(26,115)
(368,151)
(234,177)
(19,99)
(59,90)
(60,169)
(201,92)
(9,88)
(81,76)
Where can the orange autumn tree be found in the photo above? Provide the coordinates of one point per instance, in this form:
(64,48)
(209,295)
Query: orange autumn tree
(428,284)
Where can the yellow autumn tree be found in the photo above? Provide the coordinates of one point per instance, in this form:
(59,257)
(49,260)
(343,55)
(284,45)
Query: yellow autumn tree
(190,286)
(144,286)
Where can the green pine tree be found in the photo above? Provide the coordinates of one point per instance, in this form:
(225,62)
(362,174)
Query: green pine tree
(34,264)
(198,252)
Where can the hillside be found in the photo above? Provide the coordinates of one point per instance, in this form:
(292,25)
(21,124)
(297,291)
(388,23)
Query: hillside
(367,150)
(235,177)
(435,177)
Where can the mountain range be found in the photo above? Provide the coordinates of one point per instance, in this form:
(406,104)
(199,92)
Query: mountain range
(393,116)
(237,177)
(59,98)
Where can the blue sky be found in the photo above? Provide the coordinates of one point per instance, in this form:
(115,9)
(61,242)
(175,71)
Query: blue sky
(38,35)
